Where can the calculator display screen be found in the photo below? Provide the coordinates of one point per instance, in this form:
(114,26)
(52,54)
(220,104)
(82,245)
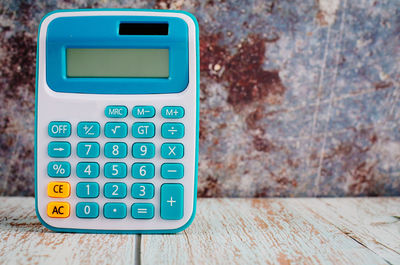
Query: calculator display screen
(117,63)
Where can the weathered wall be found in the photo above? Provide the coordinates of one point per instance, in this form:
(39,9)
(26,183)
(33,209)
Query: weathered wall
(297,98)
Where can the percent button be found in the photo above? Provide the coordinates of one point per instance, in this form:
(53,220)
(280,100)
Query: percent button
(59,169)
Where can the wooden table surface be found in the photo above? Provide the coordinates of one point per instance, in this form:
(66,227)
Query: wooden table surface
(225,231)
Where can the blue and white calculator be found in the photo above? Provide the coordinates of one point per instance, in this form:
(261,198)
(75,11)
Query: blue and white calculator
(117,121)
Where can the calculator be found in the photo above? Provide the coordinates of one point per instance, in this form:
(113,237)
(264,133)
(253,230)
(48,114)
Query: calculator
(117,121)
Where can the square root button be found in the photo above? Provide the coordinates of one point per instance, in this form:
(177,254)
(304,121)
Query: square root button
(171,201)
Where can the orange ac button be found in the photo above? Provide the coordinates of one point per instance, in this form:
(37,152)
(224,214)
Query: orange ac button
(58,209)
(58,189)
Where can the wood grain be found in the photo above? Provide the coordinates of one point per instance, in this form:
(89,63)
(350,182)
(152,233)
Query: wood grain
(225,231)
(264,231)
(25,241)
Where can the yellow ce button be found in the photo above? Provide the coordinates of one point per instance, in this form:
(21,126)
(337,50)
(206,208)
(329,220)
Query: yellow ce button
(58,189)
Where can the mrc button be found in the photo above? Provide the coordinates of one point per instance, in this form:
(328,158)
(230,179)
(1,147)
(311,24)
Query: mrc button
(116,111)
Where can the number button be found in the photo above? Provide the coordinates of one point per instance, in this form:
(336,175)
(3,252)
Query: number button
(142,190)
(59,129)
(116,111)
(172,171)
(87,170)
(58,209)
(114,210)
(143,130)
(58,189)
(143,170)
(88,149)
(87,210)
(172,150)
(87,190)
(59,149)
(143,150)
(115,190)
(115,150)
(115,170)
(171,201)
(172,112)
(88,129)
(116,129)
(143,112)
(59,169)
(142,210)
(173,130)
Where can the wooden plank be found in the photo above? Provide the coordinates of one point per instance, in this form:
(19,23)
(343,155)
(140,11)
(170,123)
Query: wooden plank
(256,231)
(373,222)
(25,241)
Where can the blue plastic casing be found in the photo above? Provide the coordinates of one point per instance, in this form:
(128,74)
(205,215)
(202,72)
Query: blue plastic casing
(57,229)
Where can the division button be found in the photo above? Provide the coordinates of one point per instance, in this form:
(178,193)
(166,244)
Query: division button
(172,130)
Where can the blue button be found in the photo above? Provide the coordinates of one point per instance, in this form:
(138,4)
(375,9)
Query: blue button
(142,190)
(59,129)
(87,190)
(171,201)
(87,170)
(59,169)
(142,210)
(116,111)
(88,129)
(116,130)
(115,190)
(115,170)
(143,112)
(172,130)
(172,112)
(172,171)
(172,150)
(115,150)
(88,149)
(143,130)
(143,150)
(143,170)
(114,210)
(87,210)
(59,149)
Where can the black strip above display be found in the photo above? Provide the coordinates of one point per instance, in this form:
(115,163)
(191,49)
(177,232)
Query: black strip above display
(143,29)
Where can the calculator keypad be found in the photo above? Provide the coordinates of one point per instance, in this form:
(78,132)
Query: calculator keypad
(142,192)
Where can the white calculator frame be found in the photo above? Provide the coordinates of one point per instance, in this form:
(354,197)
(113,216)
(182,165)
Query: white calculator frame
(74,107)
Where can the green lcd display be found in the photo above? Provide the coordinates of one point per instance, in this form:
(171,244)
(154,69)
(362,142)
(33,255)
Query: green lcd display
(118,63)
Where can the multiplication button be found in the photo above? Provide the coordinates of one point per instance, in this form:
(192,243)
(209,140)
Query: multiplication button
(172,150)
